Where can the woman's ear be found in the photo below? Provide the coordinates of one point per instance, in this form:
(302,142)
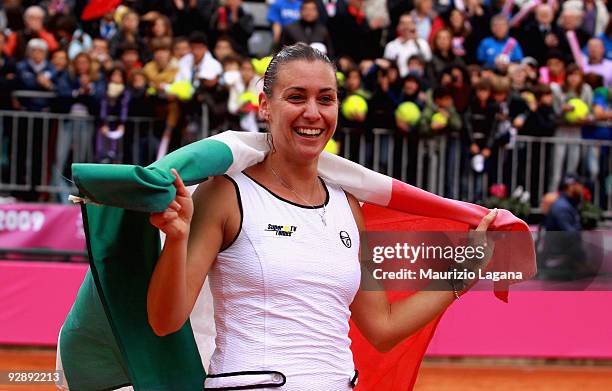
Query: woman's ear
(264,107)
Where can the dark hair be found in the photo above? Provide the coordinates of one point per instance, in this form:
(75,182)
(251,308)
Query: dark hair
(441,92)
(297,52)
(542,89)
(483,84)
(198,37)
(161,43)
(304,2)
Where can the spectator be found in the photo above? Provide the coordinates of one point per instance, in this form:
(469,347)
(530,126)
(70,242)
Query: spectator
(11,15)
(199,67)
(443,56)
(159,27)
(71,38)
(573,87)
(282,13)
(35,73)
(8,77)
(129,60)
(554,71)
(234,21)
(406,45)
(598,157)
(499,49)
(595,17)
(597,63)
(192,15)
(541,35)
(114,103)
(180,48)
(106,27)
(438,120)
(79,92)
(353,34)
(224,48)
(128,34)
(606,38)
(59,60)
(308,29)
(456,79)
(423,16)
(241,81)
(100,55)
(459,27)
(479,124)
(564,251)
(33,19)
(571,20)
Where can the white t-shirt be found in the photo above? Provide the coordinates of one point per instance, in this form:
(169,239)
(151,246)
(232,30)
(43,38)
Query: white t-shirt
(400,51)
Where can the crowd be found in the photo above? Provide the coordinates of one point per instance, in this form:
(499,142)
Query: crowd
(476,72)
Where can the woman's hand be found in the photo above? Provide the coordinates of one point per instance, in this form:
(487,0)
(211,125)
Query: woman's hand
(176,219)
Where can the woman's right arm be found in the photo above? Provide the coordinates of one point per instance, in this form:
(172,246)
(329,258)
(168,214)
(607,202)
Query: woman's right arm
(195,232)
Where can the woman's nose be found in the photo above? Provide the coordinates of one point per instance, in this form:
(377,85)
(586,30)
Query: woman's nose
(311,111)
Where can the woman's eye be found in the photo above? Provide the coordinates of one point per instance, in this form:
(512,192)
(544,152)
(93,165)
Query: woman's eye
(326,99)
(295,97)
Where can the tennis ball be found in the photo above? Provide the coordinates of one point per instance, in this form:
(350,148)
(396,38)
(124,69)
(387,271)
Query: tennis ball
(182,89)
(439,118)
(249,101)
(261,65)
(331,146)
(340,78)
(580,111)
(354,106)
(408,112)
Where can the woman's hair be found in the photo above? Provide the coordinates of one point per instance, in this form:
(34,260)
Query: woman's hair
(93,72)
(434,43)
(571,69)
(297,52)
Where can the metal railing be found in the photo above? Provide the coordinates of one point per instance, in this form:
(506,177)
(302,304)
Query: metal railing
(35,147)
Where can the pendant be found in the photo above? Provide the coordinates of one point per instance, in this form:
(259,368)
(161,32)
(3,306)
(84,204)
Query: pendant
(323,219)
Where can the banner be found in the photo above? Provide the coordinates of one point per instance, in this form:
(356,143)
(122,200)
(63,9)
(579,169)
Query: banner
(48,226)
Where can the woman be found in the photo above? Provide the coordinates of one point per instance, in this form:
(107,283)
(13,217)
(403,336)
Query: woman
(443,56)
(269,306)
(573,87)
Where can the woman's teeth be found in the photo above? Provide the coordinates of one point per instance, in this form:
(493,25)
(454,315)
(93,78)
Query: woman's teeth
(308,131)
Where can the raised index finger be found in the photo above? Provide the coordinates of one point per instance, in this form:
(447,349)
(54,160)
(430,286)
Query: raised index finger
(178,183)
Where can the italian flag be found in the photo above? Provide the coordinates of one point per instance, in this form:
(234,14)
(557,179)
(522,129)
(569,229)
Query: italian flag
(106,341)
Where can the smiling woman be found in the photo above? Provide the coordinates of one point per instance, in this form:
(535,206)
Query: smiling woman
(281,249)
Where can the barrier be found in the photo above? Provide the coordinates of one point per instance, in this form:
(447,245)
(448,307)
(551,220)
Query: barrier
(36,148)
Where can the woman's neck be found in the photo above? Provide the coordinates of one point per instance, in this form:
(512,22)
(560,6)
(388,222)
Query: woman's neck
(296,175)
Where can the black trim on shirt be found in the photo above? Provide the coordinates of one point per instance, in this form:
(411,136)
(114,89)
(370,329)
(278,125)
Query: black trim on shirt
(291,202)
(241,212)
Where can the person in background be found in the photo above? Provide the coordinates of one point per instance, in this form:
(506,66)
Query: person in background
(500,48)
(70,37)
(479,124)
(570,19)
(563,249)
(595,17)
(554,71)
(596,61)
(406,45)
(353,34)
(443,56)
(100,55)
(36,73)
(180,48)
(8,83)
(282,13)
(114,103)
(573,87)
(59,60)
(224,48)
(438,119)
(242,81)
(129,59)
(308,29)
(541,35)
(234,21)
(17,41)
(598,157)
(79,91)
(128,34)
(423,16)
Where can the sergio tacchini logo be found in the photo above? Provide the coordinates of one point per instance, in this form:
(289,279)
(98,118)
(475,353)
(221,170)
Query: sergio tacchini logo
(346,239)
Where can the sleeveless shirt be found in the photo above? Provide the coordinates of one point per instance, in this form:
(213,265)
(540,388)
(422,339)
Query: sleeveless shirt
(282,290)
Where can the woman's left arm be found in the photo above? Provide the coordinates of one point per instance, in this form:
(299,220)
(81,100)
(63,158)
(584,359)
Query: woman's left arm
(384,324)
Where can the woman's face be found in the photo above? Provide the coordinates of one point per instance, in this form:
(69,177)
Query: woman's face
(443,40)
(302,113)
(116,77)
(59,60)
(574,79)
(456,19)
(81,65)
(159,28)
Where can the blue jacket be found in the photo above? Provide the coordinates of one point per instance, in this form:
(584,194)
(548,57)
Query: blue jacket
(27,79)
(563,216)
(490,48)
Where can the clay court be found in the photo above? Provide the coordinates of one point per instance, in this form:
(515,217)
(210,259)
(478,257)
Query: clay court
(435,374)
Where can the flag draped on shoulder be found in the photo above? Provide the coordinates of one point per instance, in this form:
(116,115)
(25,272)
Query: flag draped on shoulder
(106,341)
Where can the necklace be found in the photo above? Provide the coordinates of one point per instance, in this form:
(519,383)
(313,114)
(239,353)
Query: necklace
(321,215)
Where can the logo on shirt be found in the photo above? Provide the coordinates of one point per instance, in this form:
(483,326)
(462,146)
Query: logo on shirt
(346,239)
(281,230)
